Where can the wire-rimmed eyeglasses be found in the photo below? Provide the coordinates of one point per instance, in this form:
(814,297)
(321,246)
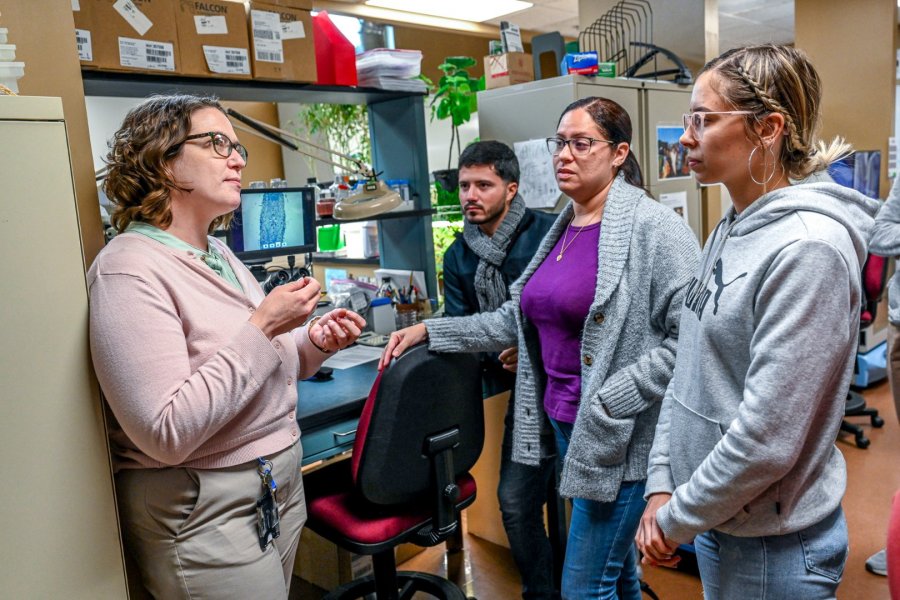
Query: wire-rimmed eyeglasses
(221,144)
(579,146)
(697,120)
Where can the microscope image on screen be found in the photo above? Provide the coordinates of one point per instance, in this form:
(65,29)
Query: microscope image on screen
(273,222)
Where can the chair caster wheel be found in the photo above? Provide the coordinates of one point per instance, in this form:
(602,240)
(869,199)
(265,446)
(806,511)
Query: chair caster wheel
(877,422)
(862,442)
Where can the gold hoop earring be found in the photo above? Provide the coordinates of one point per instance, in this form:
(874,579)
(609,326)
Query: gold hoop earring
(750,165)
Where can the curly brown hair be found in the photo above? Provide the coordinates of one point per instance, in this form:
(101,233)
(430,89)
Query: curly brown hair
(139,179)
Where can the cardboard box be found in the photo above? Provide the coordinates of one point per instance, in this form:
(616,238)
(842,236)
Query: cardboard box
(327,566)
(501,70)
(84,26)
(281,41)
(304,4)
(606,69)
(134,35)
(212,38)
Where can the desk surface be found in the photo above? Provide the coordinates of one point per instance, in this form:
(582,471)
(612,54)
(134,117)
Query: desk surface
(336,400)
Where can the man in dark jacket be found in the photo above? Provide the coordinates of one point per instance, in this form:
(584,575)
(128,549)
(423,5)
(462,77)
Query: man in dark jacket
(499,239)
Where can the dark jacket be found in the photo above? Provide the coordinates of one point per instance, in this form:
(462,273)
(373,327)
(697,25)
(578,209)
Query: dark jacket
(460,299)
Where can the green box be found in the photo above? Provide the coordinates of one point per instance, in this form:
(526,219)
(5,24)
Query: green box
(329,238)
(606,69)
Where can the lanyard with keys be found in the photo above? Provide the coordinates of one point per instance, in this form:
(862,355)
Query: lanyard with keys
(267,522)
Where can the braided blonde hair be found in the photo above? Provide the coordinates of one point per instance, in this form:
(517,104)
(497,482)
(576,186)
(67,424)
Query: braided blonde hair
(780,79)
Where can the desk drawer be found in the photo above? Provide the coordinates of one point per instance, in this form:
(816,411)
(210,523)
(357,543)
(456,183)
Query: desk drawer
(323,442)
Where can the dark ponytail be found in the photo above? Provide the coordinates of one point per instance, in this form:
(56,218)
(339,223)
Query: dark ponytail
(615,123)
(632,171)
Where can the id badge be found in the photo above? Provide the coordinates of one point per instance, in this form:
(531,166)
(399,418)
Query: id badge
(267,523)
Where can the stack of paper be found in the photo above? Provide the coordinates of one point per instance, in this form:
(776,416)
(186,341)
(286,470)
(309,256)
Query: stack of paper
(390,70)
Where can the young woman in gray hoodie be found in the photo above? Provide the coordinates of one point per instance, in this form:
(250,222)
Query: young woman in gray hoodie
(744,461)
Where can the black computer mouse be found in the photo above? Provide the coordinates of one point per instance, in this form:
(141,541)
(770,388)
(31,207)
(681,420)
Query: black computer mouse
(323,374)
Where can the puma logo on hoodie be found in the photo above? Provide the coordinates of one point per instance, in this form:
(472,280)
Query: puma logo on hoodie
(698,294)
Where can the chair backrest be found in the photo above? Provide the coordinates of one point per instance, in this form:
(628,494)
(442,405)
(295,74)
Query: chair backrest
(419,395)
(874,278)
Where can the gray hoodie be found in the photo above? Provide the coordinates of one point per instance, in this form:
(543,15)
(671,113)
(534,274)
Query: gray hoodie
(745,439)
(885,241)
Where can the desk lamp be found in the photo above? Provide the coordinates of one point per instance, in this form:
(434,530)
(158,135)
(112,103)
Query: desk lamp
(374,198)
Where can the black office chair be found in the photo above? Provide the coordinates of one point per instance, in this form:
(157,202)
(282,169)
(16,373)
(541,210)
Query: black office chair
(874,277)
(421,430)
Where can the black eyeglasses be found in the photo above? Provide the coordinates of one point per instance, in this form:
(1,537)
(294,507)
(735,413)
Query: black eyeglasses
(221,143)
(579,146)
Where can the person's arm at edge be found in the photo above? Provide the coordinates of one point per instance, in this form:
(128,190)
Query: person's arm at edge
(884,239)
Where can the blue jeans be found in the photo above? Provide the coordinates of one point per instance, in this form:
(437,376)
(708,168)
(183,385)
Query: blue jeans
(522,492)
(600,558)
(807,564)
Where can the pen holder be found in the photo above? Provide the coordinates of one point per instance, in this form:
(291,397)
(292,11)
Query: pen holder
(407,315)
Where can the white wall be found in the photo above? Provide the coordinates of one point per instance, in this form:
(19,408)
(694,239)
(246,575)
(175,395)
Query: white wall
(105,116)
(296,167)
(437,135)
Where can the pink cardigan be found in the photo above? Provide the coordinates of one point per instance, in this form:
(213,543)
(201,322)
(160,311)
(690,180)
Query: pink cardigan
(189,380)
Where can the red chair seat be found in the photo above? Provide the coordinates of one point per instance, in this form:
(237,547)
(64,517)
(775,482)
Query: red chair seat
(340,512)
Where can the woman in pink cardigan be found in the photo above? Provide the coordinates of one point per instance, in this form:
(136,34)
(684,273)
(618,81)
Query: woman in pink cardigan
(198,367)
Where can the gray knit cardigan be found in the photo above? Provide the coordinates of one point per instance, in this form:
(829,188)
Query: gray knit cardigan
(647,256)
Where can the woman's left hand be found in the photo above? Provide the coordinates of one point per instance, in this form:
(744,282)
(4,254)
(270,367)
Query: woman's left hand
(658,550)
(336,329)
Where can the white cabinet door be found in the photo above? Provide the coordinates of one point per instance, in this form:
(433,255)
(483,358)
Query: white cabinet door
(59,536)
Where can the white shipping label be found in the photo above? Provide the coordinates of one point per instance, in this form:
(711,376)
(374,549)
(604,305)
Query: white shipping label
(133,15)
(266,28)
(293,30)
(76,7)
(83,39)
(210,25)
(143,54)
(231,61)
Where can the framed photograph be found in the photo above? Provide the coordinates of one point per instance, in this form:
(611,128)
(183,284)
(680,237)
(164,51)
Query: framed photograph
(671,154)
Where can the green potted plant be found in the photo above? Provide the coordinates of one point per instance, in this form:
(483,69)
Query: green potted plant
(454,98)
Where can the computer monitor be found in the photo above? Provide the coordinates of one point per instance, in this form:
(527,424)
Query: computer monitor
(273,222)
(860,171)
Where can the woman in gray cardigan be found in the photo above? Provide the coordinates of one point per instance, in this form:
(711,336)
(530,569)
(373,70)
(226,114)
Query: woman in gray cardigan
(595,318)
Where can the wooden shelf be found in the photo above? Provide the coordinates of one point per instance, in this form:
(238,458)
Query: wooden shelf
(406,214)
(140,85)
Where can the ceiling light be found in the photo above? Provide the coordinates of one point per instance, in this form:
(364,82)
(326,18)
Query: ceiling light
(465,10)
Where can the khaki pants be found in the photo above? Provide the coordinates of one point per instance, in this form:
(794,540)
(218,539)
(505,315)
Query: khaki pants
(893,366)
(193,533)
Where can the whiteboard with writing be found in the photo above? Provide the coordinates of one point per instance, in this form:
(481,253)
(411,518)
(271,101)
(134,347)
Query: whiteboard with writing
(537,181)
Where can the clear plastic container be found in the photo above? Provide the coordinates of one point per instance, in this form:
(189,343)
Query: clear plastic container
(10,72)
(3,34)
(7,52)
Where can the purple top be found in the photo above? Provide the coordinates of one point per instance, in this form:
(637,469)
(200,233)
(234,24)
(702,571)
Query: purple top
(556,300)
